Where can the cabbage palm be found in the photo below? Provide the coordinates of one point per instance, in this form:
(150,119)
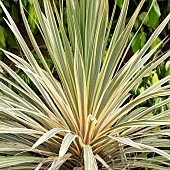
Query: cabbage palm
(85,120)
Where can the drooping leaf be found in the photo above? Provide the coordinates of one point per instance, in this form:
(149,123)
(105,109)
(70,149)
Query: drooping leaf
(47,136)
(127,141)
(141,146)
(68,139)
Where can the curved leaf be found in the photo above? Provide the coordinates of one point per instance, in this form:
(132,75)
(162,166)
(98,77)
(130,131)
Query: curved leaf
(68,139)
(51,133)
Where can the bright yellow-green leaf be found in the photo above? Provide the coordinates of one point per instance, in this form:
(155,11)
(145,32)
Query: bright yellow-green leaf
(156,42)
(142,17)
(167,65)
(155,78)
(120,3)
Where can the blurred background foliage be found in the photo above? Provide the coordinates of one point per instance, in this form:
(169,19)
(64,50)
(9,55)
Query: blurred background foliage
(157,13)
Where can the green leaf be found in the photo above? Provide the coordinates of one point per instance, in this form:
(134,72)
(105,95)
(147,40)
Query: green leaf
(135,88)
(158,100)
(148,75)
(154,15)
(136,25)
(141,90)
(168,106)
(143,38)
(136,45)
(15,13)
(11,39)
(155,78)
(6,3)
(3,36)
(167,65)
(120,3)
(142,17)
(156,42)
(24,2)
(167,73)
(32,18)
(139,41)
(30,2)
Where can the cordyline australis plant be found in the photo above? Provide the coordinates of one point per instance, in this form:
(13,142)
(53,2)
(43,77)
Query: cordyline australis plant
(85,120)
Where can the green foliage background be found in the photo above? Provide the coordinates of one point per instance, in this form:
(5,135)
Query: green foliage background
(158,12)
